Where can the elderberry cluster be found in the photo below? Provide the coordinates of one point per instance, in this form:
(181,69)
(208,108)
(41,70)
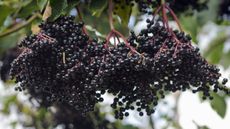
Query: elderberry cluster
(164,61)
(177,65)
(62,65)
(45,67)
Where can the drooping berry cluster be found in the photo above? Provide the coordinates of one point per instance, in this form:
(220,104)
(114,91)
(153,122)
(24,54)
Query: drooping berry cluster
(166,62)
(61,64)
(177,64)
(49,58)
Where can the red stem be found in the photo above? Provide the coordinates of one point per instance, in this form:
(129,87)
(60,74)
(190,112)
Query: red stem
(161,49)
(114,40)
(126,42)
(118,39)
(174,17)
(156,11)
(80,17)
(79,13)
(165,18)
(111,14)
(107,39)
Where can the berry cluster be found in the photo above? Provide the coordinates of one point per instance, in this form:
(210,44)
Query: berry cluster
(61,64)
(45,68)
(177,65)
(168,63)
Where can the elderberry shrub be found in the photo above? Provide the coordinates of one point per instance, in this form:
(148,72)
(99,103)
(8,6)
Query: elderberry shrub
(46,66)
(224,9)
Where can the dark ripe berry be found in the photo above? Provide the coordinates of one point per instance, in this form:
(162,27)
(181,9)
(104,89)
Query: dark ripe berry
(101,99)
(141,113)
(225,80)
(126,114)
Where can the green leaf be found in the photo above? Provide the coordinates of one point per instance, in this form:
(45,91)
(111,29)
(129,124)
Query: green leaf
(41,113)
(58,7)
(28,9)
(7,102)
(41,4)
(13,124)
(5,11)
(99,23)
(216,54)
(215,49)
(71,5)
(189,23)
(9,41)
(219,105)
(123,11)
(129,127)
(209,14)
(200,127)
(203,127)
(97,8)
(225,60)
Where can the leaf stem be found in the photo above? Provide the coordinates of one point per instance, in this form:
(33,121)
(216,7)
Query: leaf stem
(151,122)
(19,26)
(165,18)
(174,17)
(81,19)
(79,13)
(126,42)
(111,14)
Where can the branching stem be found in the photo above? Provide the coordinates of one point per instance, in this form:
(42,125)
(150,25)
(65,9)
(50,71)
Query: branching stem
(111,14)
(19,26)
(174,17)
(165,18)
